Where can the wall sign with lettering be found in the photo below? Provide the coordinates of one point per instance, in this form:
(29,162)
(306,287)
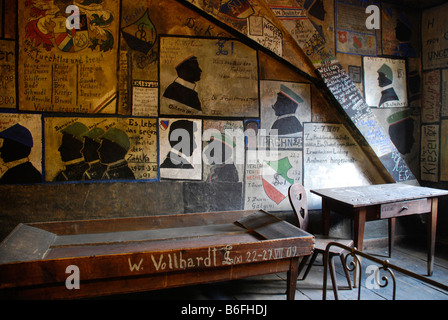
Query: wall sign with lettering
(431,102)
(317,45)
(330,152)
(7,74)
(444,151)
(351,33)
(265,33)
(435,37)
(444,107)
(430,150)
(145,95)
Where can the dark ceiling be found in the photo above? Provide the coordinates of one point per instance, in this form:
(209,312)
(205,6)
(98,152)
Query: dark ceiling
(418,4)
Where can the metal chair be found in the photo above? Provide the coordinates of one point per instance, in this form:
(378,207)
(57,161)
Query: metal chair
(298,200)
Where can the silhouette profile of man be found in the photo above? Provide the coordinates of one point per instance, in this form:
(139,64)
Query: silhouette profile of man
(16,147)
(70,150)
(92,143)
(220,156)
(182,89)
(403,33)
(401,131)
(285,108)
(385,79)
(114,147)
(181,138)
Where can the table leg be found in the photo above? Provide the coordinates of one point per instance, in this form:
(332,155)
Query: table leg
(391,225)
(359,221)
(291,279)
(432,226)
(325,218)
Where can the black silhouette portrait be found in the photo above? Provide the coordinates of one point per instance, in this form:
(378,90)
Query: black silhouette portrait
(70,150)
(220,154)
(401,130)
(181,138)
(385,80)
(15,150)
(285,108)
(92,143)
(114,147)
(403,33)
(251,133)
(182,89)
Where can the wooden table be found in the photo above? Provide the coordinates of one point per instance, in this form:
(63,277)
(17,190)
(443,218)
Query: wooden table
(115,256)
(384,201)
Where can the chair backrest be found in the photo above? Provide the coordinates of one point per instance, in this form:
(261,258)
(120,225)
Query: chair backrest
(298,200)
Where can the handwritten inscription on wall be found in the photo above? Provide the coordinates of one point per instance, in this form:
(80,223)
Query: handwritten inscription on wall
(265,33)
(329,153)
(444,107)
(351,100)
(444,151)
(435,38)
(344,90)
(431,97)
(429,160)
(7,74)
(65,71)
(352,35)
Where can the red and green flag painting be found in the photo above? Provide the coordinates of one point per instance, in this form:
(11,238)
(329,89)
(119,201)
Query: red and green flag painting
(275,179)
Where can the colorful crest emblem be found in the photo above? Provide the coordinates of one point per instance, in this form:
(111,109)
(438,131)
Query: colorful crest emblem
(240,9)
(47,26)
(276,182)
(140,35)
(71,40)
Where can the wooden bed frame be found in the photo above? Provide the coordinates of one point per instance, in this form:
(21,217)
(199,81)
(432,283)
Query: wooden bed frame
(88,258)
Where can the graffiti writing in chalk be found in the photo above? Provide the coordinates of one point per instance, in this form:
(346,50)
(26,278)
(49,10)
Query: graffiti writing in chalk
(211,257)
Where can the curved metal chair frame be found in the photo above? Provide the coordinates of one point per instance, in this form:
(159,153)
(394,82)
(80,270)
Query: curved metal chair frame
(299,203)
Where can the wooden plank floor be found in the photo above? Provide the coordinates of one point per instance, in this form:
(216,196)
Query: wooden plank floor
(411,256)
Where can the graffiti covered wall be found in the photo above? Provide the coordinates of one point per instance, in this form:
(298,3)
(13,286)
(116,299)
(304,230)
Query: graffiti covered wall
(153,91)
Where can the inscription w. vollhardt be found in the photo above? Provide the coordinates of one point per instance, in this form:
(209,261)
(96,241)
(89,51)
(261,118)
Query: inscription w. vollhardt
(210,257)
